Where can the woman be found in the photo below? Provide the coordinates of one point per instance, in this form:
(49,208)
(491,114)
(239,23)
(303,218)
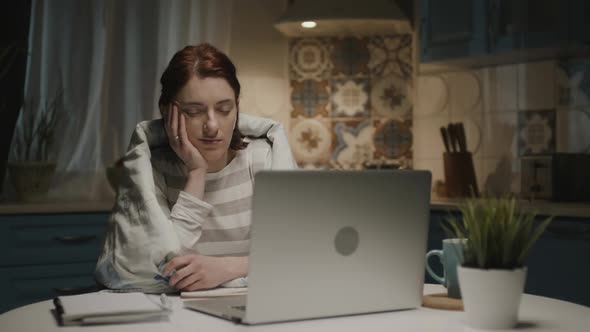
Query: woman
(183,208)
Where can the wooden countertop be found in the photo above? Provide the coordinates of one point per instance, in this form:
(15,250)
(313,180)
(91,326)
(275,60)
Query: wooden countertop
(540,207)
(579,210)
(55,207)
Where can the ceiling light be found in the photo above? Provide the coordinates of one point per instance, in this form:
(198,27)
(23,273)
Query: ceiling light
(309,24)
(342,17)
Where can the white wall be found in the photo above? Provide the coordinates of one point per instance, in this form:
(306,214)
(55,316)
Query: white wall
(260,54)
(508,111)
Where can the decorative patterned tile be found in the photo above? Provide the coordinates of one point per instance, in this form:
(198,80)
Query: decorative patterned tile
(353,143)
(359,86)
(310,98)
(350,98)
(393,139)
(311,140)
(309,59)
(391,96)
(350,57)
(391,55)
(536,132)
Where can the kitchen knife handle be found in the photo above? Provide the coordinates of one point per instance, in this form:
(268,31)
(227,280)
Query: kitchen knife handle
(453,138)
(462,137)
(445,138)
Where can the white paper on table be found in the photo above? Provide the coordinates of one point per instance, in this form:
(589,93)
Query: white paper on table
(107,307)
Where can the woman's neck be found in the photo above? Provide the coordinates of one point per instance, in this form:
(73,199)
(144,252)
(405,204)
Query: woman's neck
(217,165)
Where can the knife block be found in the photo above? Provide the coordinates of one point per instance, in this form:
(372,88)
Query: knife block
(460,178)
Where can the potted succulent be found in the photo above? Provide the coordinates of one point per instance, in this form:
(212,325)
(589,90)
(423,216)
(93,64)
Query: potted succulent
(31,169)
(499,237)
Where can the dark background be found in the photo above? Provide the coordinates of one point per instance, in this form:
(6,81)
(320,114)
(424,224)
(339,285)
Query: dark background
(14,31)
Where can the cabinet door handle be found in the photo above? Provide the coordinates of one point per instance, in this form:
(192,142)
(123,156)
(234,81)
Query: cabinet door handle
(75,290)
(569,231)
(73,239)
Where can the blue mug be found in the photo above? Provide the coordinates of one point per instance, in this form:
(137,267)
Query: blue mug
(450,256)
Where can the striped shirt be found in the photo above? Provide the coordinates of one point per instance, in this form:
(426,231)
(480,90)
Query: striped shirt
(219,224)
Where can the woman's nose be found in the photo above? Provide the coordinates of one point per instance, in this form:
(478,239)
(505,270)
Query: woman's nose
(211,125)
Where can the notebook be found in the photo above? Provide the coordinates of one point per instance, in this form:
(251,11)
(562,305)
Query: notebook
(331,243)
(107,308)
(217,292)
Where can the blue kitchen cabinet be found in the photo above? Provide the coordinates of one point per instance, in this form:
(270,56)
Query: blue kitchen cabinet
(46,255)
(452,29)
(558,264)
(24,285)
(527,24)
(461,29)
(580,24)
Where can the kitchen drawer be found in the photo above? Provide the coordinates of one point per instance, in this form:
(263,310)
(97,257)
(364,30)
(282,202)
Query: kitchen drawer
(51,239)
(24,285)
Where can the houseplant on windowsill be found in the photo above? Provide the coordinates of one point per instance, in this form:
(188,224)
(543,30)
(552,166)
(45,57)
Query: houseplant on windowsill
(31,169)
(493,272)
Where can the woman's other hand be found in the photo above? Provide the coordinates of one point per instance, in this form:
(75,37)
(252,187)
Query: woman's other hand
(194,272)
(175,124)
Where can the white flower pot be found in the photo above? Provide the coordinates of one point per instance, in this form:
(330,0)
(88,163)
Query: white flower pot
(491,297)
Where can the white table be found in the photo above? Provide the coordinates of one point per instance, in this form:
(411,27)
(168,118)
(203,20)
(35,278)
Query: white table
(536,314)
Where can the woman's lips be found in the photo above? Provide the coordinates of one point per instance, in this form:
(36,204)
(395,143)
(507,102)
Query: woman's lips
(211,141)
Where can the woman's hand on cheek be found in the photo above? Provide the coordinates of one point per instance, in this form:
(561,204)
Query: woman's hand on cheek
(194,272)
(175,124)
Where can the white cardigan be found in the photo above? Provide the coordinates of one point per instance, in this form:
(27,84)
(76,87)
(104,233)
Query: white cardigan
(139,236)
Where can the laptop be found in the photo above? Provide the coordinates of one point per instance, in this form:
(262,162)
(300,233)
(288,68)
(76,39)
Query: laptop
(332,243)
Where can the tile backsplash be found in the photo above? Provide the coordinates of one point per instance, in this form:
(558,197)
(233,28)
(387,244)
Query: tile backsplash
(508,111)
(352,101)
(357,100)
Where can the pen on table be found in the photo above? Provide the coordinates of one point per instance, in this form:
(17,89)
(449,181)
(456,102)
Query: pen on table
(59,311)
(161,277)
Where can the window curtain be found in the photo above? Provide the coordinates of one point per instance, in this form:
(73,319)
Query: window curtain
(107,56)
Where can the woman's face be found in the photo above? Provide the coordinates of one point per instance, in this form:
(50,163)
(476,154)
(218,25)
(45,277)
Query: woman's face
(210,108)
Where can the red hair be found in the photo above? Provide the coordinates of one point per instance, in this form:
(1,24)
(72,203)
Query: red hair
(204,61)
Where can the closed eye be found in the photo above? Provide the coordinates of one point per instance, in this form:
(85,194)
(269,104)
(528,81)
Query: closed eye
(225,109)
(192,111)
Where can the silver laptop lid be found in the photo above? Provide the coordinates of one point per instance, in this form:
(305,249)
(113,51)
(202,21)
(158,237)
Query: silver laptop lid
(329,243)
